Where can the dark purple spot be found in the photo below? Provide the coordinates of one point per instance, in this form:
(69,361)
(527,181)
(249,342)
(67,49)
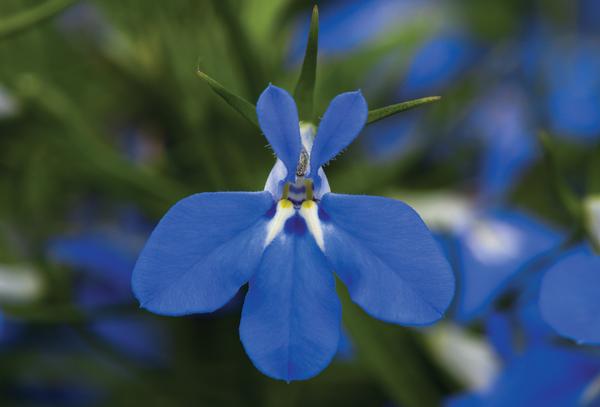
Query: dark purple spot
(295,225)
(295,201)
(324,216)
(271,212)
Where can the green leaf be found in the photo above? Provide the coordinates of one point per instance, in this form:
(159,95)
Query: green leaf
(383,112)
(16,24)
(91,147)
(245,108)
(305,89)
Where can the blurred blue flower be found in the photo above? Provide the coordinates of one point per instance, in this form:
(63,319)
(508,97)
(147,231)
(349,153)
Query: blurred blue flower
(502,120)
(588,16)
(105,259)
(390,139)
(569,299)
(492,249)
(442,59)
(286,240)
(571,71)
(542,376)
(346,25)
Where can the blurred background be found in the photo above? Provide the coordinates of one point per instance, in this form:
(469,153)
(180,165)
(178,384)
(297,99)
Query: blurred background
(104,125)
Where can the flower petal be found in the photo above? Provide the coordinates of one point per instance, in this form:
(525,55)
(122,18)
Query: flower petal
(493,249)
(569,298)
(344,119)
(291,318)
(387,258)
(202,251)
(278,119)
(541,376)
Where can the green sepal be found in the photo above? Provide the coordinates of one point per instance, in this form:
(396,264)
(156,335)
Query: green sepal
(245,108)
(383,112)
(16,24)
(304,93)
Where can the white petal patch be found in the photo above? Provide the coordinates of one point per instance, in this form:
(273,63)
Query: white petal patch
(592,207)
(494,242)
(310,212)
(285,210)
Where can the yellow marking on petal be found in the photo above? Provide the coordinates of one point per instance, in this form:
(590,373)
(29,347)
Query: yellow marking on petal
(310,212)
(285,210)
(286,191)
(309,190)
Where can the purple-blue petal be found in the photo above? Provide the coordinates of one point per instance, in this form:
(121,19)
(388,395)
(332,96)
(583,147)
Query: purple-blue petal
(542,376)
(291,317)
(492,251)
(140,338)
(202,251)
(440,60)
(344,119)
(388,259)
(570,296)
(278,119)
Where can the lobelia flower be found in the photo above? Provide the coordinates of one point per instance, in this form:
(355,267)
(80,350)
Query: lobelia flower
(103,258)
(349,25)
(491,246)
(569,300)
(541,376)
(536,370)
(286,242)
(494,249)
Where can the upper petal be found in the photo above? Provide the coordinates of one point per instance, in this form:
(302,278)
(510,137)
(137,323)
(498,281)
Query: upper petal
(344,119)
(570,296)
(291,317)
(278,119)
(202,251)
(387,258)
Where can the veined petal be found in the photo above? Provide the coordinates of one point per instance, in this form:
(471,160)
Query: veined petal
(202,251)
(569,296)
(278,119)
(344,119)
(291,318)
(388,259)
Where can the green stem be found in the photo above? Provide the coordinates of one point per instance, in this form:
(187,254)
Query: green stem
(21,22)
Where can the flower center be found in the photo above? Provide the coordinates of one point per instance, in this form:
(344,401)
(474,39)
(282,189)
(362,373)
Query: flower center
(299,191)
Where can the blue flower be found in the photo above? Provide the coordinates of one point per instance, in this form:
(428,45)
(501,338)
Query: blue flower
(542,376)
(569,300)
(442,59)
(504,123)
(286,241)
(105,259)
(572,78)
(492,248)
(348,25)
